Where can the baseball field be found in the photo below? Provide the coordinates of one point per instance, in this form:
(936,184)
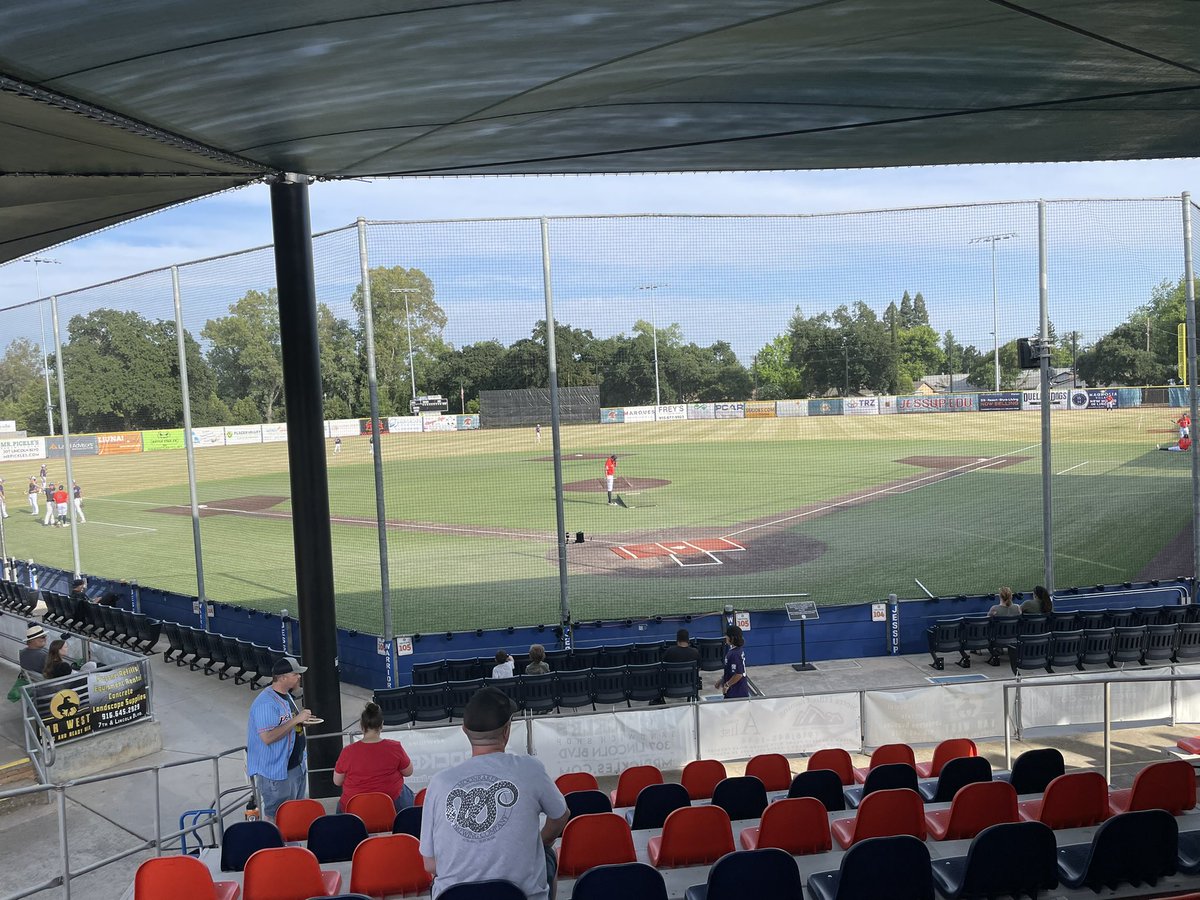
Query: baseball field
(844,509)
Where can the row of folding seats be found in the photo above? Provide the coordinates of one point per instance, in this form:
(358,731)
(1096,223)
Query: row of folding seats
(995,634)
(18,598)
(1106,646)
(544,693)
(377,810)
(110,624)
(712,658)
(229,657)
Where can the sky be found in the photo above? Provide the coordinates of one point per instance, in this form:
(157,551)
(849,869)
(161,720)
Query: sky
(731,280)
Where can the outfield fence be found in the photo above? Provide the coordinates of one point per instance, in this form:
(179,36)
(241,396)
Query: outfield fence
(768,375)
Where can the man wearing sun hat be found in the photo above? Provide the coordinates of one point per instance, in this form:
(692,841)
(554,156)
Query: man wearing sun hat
(275,745)
(482,816)
(33,657)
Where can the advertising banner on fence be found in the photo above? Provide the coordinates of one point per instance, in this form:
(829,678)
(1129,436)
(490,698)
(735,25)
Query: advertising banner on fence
(729,410)
(7,426)
(118,442)
(760,409)
(887,405)
(467,423)
(434,749)
(673,412)
(609,743)
(22,448)
(919,715)
(1059,399)
(639,414)
(829,406)
(167,439)
(243,434)
(701,411)
(98,701)
(613,415)
(208,437)
(791,408)
(778,725)
(938,403)
(343,428)
(1001,402)
(860,406)
(365,426)
(404,424)
(274,432)
(81,445)
(1094,398)
(439,423)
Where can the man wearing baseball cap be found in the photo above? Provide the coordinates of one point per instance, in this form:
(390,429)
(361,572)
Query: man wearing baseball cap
(33,657)
(482,816)
(275,745)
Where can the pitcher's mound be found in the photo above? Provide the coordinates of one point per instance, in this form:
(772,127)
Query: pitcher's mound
(622,484)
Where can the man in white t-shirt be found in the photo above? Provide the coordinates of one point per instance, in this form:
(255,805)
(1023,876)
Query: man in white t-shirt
(482,817)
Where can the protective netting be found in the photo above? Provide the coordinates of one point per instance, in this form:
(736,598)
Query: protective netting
(828,406)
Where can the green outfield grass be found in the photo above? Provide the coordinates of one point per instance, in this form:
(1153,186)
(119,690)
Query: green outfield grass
(473,541)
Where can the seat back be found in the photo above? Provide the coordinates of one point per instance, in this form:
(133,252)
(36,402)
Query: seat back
(243,839)
(494,889)
(631,782)
(1135,848)
(1063,621)
(609,686)
(821,784)
(294,816)
(594,840)
(888,754)
(1003,630)
(584,658)
(695,836)
(576,781)
(461,670)
(835,759)
(582,803)
(954,748)
(283,873)
(1033,770)
(772,769)
(1031,651)
(629,880)
(616,655)
(645,682)
(395,704)
(895,867)
(772,873)
(429,672)
(375,808)
(1065,647)
(334,838)
(1169,785)
(1032,623)
(1091,619)
(742,797)
(799,826)
(389,864)
(889,812)
(700,777)
(1097,646)
(1120,618)
(712,653)
(539,692)
(429,703)
(957,773)
(1130,644)
(1074,800)
(408,821)
(459,693)
(890,777)
(681,679)
(1188,645)
(976,633)
(184,877)
(1014,859)
(657,801)
(979,806)
(573,689)
(645,652)
(1160,642)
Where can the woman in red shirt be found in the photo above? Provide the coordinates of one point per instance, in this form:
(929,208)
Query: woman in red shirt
(373,764)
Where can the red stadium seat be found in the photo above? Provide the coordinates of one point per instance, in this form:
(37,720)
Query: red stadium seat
(1167,785)
(389,865)
(419,800)
(597,839)
(1074,800)
(180,878)
(1189,744)
(576,781)
(975,807)
(943,753)
(883,814)
(799,826)
(887,755)
(294,816)
(701,776)
(836,760)
(287,873)
(631,782)
(692,836)
(376,809)
(772,769)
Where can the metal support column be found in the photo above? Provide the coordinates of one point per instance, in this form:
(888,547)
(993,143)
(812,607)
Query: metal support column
(1047,463)
(385,586)
(66,433)
(186,394)
(552,360)
(311,534)
(1189,278)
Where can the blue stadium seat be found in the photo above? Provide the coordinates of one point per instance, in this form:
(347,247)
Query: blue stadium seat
(945,636)
(1031,651)
(897,868)
(333,838)
(882,778)
(1065,648)
(956,773)
(743,797)
(631,881)
(767,874)
(823,784)
(1033,770)
(243,839)
(1132,848)
(483,890)
(1015,858)
(582,803)
(408,821)
(654,803)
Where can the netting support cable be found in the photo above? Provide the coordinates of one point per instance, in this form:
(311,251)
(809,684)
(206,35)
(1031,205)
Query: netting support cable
(377,451)
(1047,470)
(1189,280)
(552,362)
(185,394)
(66,434)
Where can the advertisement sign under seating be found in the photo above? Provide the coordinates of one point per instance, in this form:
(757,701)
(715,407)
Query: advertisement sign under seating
(613,415)
(118,442)
(404,424)
(366,426)
(82,705)
(439,423)
(208,437)
(760,409)
(639,414)
(243,434)
(828,406)
(672,412)
(166,439)
(791,408)
(1001,402)
(467,423)
(860,406)
(701,411)
(274,432)
(1059,399)
(938,403)
(81,445)
(729,410)
(22,448)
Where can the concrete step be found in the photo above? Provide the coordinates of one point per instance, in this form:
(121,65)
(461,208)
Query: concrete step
(18,774)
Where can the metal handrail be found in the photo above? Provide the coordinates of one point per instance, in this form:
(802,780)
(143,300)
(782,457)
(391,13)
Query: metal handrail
(39,742)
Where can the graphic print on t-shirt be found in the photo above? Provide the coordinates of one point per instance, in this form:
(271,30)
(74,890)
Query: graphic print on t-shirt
(480,806)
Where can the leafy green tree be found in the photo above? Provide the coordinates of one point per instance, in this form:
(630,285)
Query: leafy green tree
(920,316)
(906,312)
(245,355)
(848,348)
(982,372)
(777,378)
(20,370)
(919,353)
(340,368)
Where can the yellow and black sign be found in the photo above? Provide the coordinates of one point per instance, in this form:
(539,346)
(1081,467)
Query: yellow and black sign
(90,703)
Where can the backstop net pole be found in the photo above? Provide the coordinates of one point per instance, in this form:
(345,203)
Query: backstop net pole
(66,433)
(1047,497)
(185,393)
(1189,280)
(552,361)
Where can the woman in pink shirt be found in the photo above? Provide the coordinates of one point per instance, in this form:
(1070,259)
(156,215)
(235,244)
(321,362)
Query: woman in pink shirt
(373,764)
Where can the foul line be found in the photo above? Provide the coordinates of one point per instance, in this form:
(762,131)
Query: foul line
(1073,468)
(136,528)
(702,550)
(971,466)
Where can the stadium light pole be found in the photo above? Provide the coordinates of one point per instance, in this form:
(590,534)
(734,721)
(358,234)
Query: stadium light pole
(39,260)
(654,335)
(993,239)
(412,372)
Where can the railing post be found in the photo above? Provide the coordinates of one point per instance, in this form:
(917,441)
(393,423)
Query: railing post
(158,812)
(1004,689)
(65,855)
(1108,732)
(217,804)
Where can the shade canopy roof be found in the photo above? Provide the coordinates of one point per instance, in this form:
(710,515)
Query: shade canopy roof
(111,110)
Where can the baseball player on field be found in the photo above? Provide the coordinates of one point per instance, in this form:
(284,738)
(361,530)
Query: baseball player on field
(77,499)
(48,490)
(33,492)
(610,471)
